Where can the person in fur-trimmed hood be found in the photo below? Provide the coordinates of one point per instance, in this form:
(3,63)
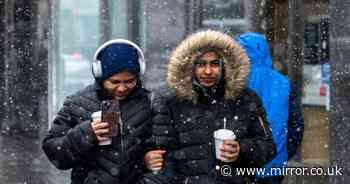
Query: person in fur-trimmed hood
(207,76)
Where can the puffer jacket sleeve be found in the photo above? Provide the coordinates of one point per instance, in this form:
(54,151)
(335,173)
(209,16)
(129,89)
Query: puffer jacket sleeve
(164,136)
(163,131)
(70,139)
(166,176)
(258,149)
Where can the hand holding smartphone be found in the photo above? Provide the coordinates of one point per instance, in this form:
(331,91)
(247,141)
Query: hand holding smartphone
(111,115)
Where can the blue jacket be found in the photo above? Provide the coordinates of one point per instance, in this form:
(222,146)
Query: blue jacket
(273,89)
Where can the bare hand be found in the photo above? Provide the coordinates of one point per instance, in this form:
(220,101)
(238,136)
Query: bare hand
(101,130)
(154,160)
(230,151)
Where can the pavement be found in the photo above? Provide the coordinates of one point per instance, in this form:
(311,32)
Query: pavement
(22,161)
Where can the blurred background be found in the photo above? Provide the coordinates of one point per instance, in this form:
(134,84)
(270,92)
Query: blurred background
(46,48)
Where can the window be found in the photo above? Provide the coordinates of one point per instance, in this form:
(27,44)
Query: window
(76,34)
(317,64)
(118,19)
(78,27)
(224,15)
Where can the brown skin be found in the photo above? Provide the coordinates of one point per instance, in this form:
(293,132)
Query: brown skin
(154,159)
(207,72)
(100,129)
(118,86)
(207,69)
(230,151)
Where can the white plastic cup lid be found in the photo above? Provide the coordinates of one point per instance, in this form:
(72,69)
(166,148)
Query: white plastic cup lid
(224,134)
(97,114)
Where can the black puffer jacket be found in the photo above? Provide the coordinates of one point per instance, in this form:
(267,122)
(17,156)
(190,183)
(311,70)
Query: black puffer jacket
(187,118)
(186,131)
(71,143)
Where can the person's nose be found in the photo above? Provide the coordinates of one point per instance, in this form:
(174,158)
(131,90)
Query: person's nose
(207,70)
(122,88)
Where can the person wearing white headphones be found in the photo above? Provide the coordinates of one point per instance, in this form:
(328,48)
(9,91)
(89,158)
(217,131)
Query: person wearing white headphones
(75,140)
(116,60)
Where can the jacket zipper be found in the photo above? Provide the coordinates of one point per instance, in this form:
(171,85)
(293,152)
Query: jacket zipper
(121,132)
(263,125)
(186,180)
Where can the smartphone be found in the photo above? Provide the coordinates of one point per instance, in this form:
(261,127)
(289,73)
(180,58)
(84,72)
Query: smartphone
(111,115)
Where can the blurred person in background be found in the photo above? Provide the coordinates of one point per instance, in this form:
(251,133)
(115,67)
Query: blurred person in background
(279,100)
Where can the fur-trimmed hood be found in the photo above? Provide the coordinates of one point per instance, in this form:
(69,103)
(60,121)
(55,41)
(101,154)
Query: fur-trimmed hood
(180,67)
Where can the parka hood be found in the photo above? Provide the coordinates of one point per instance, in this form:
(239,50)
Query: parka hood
(257,48)
(181,64)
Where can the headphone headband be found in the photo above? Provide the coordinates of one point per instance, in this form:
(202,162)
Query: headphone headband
(96,65)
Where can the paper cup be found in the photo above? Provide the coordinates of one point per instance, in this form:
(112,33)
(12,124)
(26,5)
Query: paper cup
(219,136)
(97,116)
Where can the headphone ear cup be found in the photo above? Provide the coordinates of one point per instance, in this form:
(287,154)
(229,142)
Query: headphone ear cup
(97,69)
(142,66)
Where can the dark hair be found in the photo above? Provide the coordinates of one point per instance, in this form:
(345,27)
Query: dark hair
(203,51)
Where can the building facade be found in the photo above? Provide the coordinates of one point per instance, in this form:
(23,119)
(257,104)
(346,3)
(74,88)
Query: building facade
(46,49)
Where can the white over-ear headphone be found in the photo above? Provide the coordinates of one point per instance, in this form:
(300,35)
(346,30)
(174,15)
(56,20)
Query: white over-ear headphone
(97,66)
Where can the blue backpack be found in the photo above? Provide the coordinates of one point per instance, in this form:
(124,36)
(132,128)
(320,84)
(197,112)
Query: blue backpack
(273,89)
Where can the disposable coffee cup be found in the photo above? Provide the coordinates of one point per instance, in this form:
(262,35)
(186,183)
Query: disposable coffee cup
(98,116)
(219,136)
